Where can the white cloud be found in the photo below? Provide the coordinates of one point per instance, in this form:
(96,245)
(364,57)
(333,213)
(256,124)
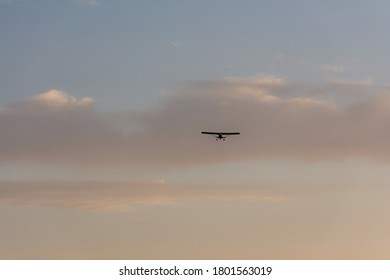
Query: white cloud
(258,87)
(61,98)
(332,68)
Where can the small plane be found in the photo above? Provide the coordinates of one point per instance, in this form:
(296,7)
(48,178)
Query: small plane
(220,135)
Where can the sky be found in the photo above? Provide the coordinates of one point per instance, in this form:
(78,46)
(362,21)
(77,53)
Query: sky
(102,104)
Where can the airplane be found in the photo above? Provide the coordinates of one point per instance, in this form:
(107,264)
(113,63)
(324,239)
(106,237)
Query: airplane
(220,135)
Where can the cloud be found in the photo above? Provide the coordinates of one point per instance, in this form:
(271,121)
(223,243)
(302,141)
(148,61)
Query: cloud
(277,120)
(279,56)
(332,68)
(13,1)
(121,196)
(83,2)
(87,2)
(351,83)
(175,44)
(60,98)
(282,57)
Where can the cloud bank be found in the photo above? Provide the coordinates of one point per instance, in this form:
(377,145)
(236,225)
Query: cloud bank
(122,196)
(277,120)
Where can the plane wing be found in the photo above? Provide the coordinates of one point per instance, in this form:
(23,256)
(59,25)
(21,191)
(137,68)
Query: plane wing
(221,133)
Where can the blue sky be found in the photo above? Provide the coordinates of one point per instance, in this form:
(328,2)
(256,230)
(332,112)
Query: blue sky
(125,53)
(102,104)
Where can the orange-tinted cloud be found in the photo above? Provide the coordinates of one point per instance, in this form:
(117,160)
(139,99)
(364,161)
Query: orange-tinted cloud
(277,120)
(122,196)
